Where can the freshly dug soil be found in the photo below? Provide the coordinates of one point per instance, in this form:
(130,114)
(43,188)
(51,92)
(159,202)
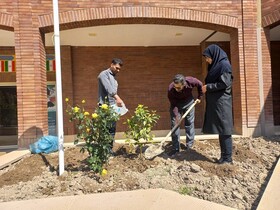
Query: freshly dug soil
(193,172)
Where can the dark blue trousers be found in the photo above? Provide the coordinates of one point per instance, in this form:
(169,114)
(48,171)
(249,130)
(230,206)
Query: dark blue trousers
(189,126)
(226,147)
(112,131)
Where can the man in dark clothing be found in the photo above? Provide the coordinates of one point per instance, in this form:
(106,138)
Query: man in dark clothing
(181,98)
(218,115)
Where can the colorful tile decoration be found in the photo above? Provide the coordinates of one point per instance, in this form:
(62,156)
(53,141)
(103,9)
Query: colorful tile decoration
(50,62)
(8,63)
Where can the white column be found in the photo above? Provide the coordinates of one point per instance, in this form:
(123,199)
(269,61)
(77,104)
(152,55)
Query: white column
(59,111)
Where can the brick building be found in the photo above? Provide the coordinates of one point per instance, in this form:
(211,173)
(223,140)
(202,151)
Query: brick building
(156,40)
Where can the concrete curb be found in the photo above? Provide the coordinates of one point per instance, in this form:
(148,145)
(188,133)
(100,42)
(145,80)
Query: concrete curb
(12,157)
(270,198)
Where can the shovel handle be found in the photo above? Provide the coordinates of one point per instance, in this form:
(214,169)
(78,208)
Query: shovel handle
(178,124)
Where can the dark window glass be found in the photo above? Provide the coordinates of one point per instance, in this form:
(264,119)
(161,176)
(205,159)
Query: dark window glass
(8,111)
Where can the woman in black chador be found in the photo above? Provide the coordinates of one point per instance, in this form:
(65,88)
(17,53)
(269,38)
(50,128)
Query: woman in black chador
(217,88)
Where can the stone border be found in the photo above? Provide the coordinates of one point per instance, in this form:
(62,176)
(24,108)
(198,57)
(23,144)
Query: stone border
(270,198)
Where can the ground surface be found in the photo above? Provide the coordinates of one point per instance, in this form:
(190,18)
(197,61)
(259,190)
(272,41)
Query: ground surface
(190,172)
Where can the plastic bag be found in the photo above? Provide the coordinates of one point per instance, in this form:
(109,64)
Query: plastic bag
(45,144)
(120,110)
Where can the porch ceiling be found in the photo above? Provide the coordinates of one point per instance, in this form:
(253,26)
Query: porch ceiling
(133,35)
(136,35)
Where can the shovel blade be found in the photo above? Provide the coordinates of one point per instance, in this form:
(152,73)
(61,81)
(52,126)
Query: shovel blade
(153,151)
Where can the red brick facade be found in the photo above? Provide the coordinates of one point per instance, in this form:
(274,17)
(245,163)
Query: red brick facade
(270,13)
(144,67)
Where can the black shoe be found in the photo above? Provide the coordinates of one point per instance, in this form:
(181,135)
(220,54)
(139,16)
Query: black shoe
(219,160)
(173,152)
(224,161)
(186,147)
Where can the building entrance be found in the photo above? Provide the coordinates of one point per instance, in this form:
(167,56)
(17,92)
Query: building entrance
(8,115)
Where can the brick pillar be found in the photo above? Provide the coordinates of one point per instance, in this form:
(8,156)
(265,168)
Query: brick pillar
(30,76)
(267,84)
(239,114)
(250,58)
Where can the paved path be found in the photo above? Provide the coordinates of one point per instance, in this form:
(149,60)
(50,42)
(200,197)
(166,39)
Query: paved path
(12,157)
(152,199)
(271,197)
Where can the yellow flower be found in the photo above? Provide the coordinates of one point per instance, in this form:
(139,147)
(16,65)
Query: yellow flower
(76,109)
(104,106)
(66,99)
(94,115)
(83,101)
(104,172)
(86,113)
(88,130)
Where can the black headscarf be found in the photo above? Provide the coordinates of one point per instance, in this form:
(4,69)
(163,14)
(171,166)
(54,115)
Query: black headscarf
(220,63)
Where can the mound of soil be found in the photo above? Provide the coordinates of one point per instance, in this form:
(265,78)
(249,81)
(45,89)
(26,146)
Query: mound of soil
(193,172)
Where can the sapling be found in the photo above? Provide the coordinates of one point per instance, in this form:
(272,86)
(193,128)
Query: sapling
(140,127)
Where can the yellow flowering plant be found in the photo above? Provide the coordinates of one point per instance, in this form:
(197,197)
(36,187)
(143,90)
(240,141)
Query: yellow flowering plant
(140,126)
(93,128)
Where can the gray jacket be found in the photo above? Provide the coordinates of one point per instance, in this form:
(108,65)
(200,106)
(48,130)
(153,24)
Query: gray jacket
(107,87)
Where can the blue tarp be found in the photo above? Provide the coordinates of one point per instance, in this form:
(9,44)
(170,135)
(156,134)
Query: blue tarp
(45,144)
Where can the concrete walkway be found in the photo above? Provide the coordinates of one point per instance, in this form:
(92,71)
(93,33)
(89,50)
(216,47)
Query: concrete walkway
(11,157)
(271,197)
(152,199)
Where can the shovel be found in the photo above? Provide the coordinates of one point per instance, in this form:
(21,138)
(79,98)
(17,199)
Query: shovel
(156,150)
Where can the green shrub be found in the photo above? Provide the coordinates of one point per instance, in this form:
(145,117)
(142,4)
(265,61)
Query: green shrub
(140,126)
(93,128)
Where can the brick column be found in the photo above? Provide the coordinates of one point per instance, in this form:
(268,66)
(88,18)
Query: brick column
(30,76)
(267,84)
(236,54)
(250,58)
